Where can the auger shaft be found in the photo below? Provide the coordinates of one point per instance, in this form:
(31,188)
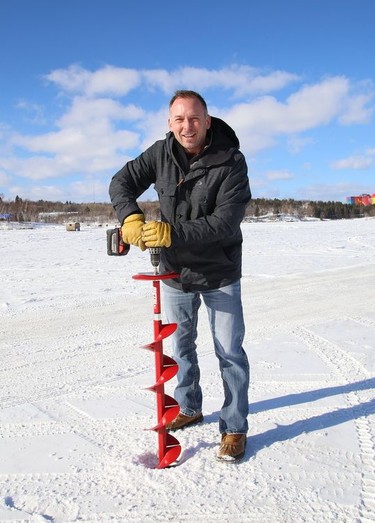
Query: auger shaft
(158,351)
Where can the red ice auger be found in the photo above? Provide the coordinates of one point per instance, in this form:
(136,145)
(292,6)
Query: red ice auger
(165,368)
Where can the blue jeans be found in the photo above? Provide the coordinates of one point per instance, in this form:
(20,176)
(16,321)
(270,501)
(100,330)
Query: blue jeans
(225,315)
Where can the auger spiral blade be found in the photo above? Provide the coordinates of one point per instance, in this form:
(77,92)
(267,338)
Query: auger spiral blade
(173,450)
(168,416)
(168,372)
(166,368)
(166,330)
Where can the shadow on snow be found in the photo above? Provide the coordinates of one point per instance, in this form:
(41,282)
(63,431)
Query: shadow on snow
(319,422)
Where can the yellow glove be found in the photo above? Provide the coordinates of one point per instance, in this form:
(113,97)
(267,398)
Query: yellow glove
(157,234)
(131,230)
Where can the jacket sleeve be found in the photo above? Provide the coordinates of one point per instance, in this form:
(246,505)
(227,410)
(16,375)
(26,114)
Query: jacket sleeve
(129,183)
(223,224)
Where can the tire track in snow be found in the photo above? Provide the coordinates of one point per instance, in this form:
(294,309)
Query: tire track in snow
(367,322)
(346,367)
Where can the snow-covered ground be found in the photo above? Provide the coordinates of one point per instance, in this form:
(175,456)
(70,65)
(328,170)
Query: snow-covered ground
(73,378)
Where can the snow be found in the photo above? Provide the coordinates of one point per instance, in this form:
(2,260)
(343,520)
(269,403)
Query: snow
(74,403)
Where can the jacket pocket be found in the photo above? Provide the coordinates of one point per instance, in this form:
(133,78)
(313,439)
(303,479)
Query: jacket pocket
(165,189)
(167,199)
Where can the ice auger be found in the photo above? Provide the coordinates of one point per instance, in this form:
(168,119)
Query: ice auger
(166,368)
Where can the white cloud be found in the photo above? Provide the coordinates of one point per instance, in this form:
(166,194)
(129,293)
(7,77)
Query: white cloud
(117,81)
(73,79)
(98,140)
(356,111)
(113,80)
(109,80)
(35,167)
(271,82)
(316,104)
(43,192)
(84,111)
(353,162)
(259,122)
(154,127)
(282,174)
(241,80)
(4,178)
(34,112)
(87,141)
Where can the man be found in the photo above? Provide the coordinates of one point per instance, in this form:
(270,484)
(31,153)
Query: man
(201,180)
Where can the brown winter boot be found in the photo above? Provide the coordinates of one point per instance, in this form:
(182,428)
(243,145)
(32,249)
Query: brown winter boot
(232,447)
(182,421)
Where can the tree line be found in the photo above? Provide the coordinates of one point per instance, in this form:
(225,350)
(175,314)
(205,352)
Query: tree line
(331,210)
(59,212)
(21,210)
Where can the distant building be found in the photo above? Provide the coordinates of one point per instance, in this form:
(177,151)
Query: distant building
(54,213)
(363,199)
(73,226)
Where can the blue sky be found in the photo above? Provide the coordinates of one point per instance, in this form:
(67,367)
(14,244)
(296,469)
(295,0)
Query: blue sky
(85,85)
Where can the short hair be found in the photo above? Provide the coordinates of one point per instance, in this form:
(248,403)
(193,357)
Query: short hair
(183,93)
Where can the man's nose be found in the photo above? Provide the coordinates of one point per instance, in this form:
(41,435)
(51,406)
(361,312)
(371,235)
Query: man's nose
(188,123)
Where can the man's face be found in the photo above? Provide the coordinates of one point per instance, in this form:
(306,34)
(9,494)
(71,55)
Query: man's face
(189,123)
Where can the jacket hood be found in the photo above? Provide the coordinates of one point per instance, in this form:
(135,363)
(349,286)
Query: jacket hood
(223,136)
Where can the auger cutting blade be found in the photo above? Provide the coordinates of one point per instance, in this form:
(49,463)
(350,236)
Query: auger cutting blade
(169,457)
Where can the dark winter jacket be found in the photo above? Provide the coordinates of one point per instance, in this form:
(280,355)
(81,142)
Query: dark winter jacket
(204,200)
